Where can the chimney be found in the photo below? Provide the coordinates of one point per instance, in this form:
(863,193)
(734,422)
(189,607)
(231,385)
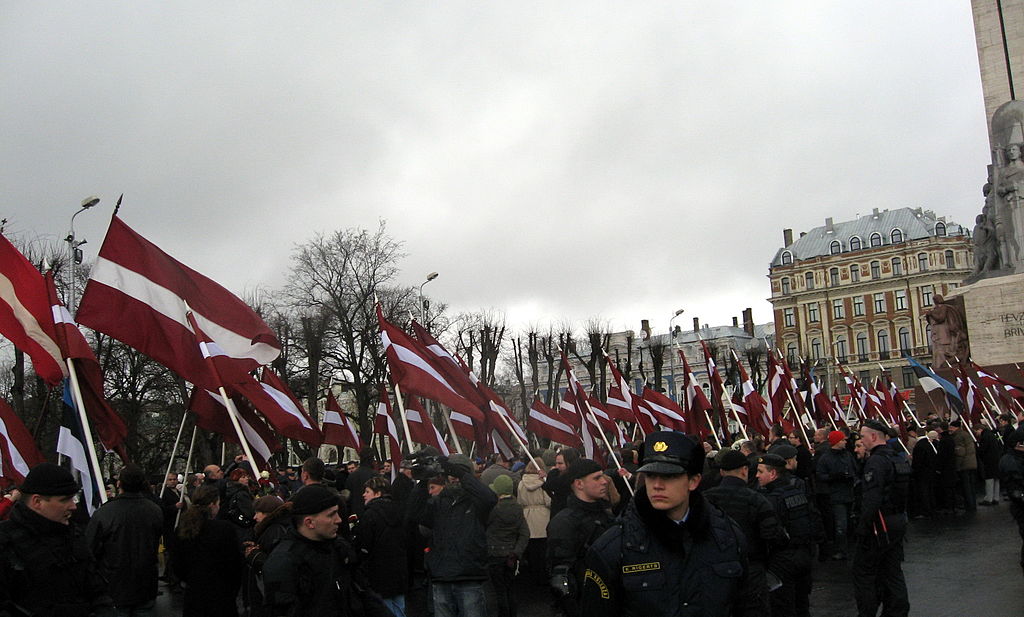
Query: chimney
(803,233)
(787,237)
(874,213)
(735,322)
(748,321)
(696,324)
(645,327)
(828,225)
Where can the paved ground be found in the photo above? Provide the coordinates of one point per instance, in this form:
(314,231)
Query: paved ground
(956,566)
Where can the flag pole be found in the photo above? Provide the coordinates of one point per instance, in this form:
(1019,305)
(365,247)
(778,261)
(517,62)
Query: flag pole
(714,432)
(174,451)
(188,463)
(80,403)
(447,415)
(511,429)
(611,450)
(401,412)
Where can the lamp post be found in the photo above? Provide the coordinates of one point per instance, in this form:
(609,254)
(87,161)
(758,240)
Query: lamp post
(672,353)
(423,305)
(74,251)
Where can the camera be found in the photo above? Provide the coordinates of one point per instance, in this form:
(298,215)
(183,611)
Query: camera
(425,465)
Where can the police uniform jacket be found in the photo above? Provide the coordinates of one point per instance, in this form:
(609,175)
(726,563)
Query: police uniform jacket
(573,530)
(788,495)
(752,512)
(648,565)
(310,578)
(458,518)
(884,495)
(46,568)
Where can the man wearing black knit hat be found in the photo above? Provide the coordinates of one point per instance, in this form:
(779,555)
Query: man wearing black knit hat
(311,572)
(586,515)
(45,566)
(671,552)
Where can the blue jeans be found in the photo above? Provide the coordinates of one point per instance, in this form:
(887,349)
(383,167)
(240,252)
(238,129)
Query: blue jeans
(459,599)
(840,521)
(396,604)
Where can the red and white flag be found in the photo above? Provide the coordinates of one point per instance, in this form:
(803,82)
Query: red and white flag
(697,405)
(138,294)
(421,428)
(108,425)
(25,314)
(338,430)
(666,411)
(18,451)
(545,422)
(294,420)
(573,409)
(623,405)
(414,369)
(384,425)
(212,415)
(753,402)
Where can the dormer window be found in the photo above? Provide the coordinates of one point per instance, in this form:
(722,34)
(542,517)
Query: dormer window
(855,243)
(940,229)
(876,239)
(787,258)
(835,248)
(896,236)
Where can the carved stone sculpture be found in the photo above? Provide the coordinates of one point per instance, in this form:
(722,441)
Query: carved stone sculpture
(949,333)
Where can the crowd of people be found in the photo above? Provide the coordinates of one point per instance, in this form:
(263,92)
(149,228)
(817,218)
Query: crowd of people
(673,525)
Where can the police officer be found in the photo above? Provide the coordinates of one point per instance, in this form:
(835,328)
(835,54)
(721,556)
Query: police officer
(877,561)
(792,563)
(45,566)
(1011,473)
(586,515)
(755,517)
(671,552)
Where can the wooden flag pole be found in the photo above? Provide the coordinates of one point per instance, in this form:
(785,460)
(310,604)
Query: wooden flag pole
(405,421)
(77,393)
(511,429)
(188,464)
(170,463)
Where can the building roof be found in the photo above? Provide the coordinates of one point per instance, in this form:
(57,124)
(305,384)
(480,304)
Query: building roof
(914,223)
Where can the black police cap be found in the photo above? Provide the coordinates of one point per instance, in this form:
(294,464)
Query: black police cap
(772,460)
(730,459)
(671,452)
(877,426)
(783,450)
(49,480)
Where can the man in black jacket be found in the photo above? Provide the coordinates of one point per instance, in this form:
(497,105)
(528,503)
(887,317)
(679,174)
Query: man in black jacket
(756,518)
(45,566)
(311,573)
(124,537)
(586,515)
(837,470)
(356,480)
(671,552)
(457,560)
(380,539)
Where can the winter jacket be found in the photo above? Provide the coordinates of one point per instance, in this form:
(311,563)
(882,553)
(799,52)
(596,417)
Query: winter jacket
(507,531)
(647,565)
(837,470)
(379,539)
(355,483)
(211,566)
(990,450)
(924,460)
(754,514)
(458,518)
(965,455)
(559,487)
(46,567)
(266,534)
(536,504)
(238,508)
(124,537)
(572,531)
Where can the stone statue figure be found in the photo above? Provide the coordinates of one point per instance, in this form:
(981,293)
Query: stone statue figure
(986,248)
(949,335)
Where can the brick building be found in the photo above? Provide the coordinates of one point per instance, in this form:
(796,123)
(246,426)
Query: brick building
(858,290)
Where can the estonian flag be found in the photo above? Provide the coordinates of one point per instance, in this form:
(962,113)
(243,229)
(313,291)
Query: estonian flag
(71,443)
(930,381)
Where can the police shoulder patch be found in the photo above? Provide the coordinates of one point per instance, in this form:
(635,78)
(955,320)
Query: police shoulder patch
(641,567)
(594,576)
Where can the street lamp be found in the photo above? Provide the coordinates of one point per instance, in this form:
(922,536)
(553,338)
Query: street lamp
(672,353)
(74,249)
(423,304)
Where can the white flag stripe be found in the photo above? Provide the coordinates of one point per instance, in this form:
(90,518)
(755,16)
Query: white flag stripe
(332,417)
(16,458)
(250,433)
(458,416)
(410,357)
(546,419)
(170,305)
(71,447)
(286,403)
(28,321)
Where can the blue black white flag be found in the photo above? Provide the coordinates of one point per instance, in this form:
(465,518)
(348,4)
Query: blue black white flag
(71,443)
(930,382)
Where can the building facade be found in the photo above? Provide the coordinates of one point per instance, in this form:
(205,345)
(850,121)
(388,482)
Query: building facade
(858,291)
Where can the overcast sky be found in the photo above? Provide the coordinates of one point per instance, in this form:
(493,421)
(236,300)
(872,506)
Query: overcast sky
(553,161)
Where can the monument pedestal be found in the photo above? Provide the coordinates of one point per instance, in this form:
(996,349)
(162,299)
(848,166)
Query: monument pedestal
(994,312)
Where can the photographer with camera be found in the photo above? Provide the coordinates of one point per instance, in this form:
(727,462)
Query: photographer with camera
(457,559)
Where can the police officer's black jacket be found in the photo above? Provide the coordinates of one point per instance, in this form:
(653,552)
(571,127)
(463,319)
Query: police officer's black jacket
(124,537)
(837,471)
(788,495)
(309,578)
(458,518)
(885,487)
(573,530)
(648,565)
(46,568)
(752,512)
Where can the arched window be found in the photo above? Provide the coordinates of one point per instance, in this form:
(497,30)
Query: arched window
(785,285)
(876,239)
(791,352)
(950,261)
(896,236)
(862,347)
(940,229)
(833,277)
(897,266)
(835,248)
(876,270)
(841,348)
(816,348)
(854,273)
(855,244)
(883,344)
(809,280)
(904,335)
(922,262)
(787,258)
